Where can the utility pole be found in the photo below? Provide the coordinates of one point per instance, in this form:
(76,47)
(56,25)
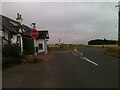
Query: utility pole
(118,23)
(59,41)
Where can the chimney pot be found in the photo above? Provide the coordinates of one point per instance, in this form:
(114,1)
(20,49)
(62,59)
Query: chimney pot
(18,16)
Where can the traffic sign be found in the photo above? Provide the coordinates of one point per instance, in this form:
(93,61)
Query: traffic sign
(34,33)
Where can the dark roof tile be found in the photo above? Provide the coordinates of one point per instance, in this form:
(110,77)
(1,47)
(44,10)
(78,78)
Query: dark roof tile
(43,35)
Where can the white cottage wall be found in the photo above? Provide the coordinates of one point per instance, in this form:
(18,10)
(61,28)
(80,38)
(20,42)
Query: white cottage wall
(1,33)
(40,41)
(14,39)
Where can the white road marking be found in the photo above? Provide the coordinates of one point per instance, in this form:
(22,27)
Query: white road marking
(85,58)
(89,60)
(82,57)
(81,54)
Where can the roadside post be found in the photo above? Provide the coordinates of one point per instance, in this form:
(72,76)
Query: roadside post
(34,34)
(75,49)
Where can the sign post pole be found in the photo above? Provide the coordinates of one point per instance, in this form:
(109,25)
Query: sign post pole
(34,34)
(35,48)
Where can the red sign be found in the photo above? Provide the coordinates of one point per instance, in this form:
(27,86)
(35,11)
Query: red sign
(34,33)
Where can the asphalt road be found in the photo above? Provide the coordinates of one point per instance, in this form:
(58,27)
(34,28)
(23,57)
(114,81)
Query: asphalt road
(88,68)
(0,63)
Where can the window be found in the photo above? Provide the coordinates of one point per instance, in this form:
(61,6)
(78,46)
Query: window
(40,46)
(18,39)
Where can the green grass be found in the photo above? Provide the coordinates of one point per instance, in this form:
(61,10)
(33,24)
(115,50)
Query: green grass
(113,51)
(71,47)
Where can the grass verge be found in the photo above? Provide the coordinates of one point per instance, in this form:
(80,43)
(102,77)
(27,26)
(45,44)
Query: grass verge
(113,51)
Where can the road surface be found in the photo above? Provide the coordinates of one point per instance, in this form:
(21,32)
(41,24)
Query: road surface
(88,68)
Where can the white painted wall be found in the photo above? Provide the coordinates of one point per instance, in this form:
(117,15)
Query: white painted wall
(39,41)
(20,42)
(14,39)
(1,33)
(43,42)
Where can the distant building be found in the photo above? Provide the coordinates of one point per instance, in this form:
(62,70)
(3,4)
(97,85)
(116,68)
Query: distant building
(53,45)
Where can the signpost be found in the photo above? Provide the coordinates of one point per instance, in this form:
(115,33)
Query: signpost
(34,34)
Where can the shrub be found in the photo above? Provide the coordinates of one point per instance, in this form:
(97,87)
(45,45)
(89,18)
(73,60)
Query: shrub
(11,50)
(28,46)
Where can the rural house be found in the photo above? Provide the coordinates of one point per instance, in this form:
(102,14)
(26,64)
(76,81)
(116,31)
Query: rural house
(10,29)
(14,32)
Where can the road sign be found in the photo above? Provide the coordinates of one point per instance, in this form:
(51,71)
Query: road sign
(34,33)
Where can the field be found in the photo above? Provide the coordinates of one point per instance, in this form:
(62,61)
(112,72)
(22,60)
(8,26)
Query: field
(67,47)
(113,50)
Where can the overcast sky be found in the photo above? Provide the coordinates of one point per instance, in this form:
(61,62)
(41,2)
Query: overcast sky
(72,22)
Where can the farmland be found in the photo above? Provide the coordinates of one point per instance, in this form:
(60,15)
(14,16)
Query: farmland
(113,50)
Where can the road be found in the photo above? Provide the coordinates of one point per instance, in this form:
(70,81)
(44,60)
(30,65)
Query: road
(88,68)
(0,63)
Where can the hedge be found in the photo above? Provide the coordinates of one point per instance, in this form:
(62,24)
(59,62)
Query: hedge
(28,46)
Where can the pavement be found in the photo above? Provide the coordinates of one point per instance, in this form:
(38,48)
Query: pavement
(87,68)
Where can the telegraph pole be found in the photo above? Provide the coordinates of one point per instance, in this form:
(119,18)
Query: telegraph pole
(118,23)
(59,41)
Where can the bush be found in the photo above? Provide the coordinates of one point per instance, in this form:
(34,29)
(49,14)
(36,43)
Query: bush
(11,50)
(28,46)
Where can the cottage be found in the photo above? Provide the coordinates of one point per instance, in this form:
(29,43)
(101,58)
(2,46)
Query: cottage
(41,41)
(10,29)
(13,31)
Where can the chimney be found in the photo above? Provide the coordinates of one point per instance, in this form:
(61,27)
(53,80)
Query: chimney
(33,25)
(19,18)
